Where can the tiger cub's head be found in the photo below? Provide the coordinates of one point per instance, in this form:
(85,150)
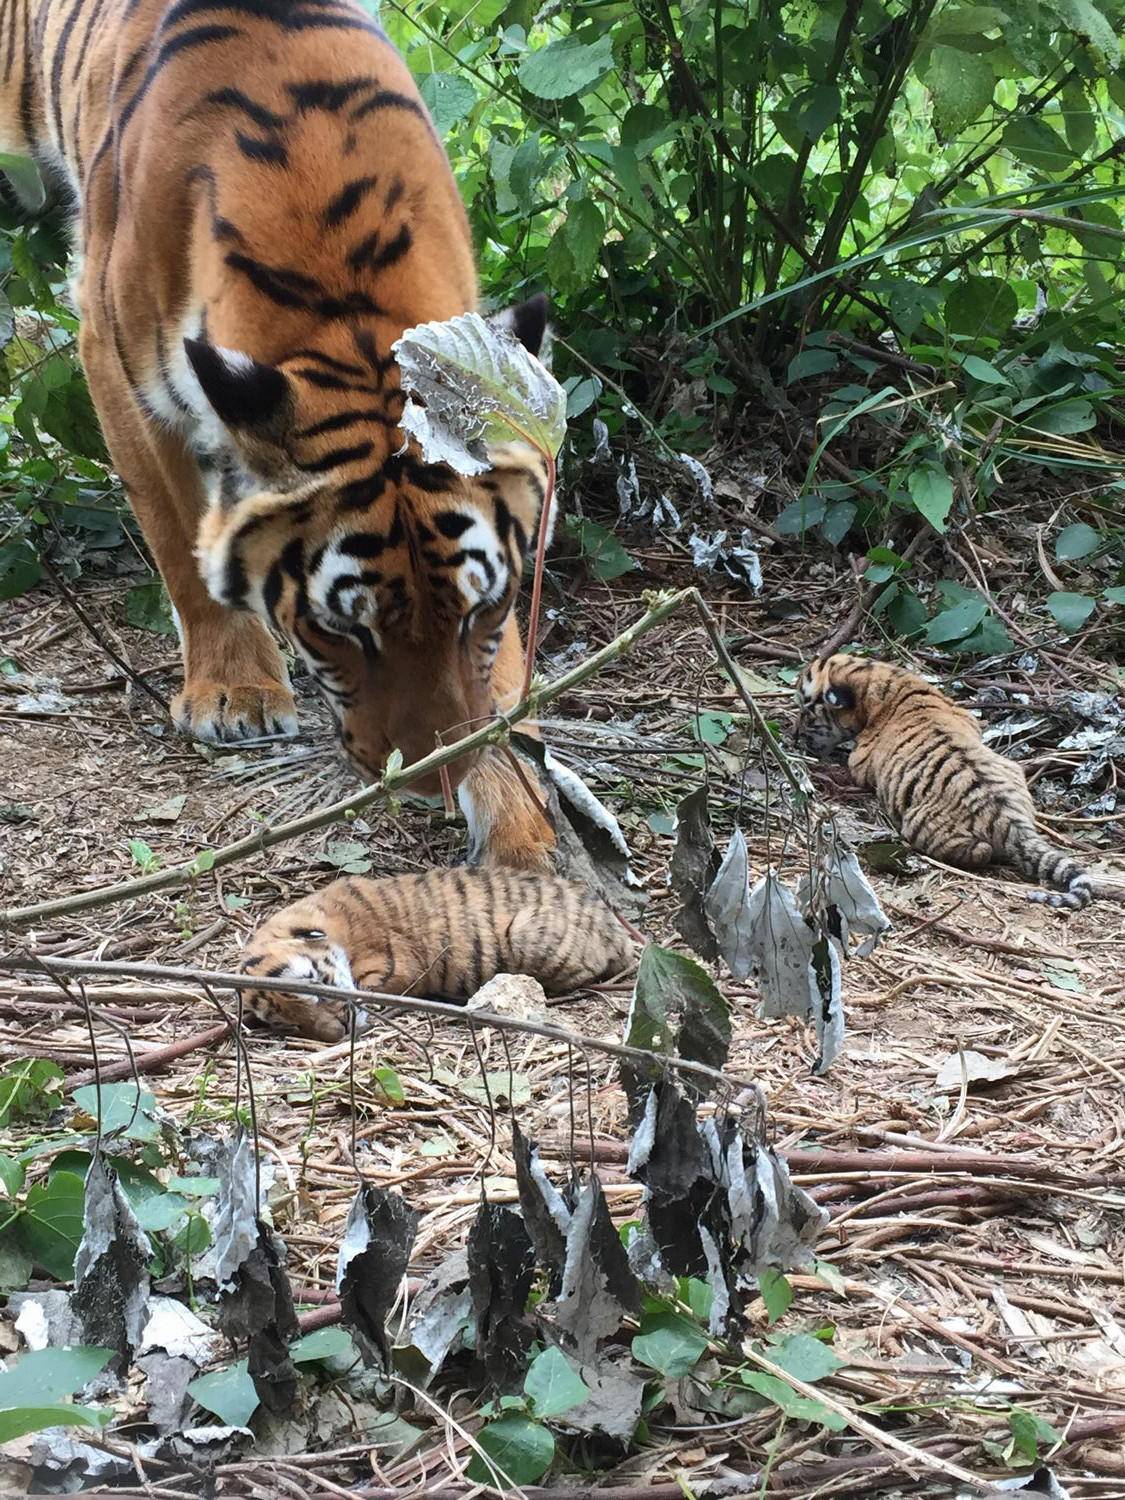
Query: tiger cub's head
(392,578)
(306,941)
(835,701)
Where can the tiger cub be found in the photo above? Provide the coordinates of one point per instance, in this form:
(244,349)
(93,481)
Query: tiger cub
(951,796)
(442,935)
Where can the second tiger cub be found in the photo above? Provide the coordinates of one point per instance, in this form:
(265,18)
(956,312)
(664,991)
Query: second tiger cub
(441,934)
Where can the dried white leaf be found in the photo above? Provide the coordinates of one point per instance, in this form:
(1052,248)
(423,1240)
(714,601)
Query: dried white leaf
(783,945)
(971,1067)
(846,888)
(480,386)
(727,905)
(236,1214)
(701,476)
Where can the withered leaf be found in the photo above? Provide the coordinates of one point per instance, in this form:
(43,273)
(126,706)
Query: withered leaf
(501,1262)
(111,1281)
(695,863)
(374,1255)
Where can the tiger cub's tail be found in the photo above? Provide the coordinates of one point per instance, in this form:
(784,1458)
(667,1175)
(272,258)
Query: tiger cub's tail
(1040,860)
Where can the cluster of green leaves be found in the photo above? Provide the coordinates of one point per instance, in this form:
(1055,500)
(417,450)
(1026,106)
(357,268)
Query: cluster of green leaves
(41,1223)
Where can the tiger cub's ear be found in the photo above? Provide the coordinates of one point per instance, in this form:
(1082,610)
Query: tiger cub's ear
(246,395)
(528,321)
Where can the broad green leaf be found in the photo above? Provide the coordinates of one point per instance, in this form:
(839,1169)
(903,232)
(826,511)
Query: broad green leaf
(1076,541)
(147,607)
(670,984)
(24,177)
(43,1376)
(906,613)
(931,489)
(122,1109)
(805,1357)
(838,521)
(553,1384)
(910,304)
(814,109)
(584,233)
(670,1343)
(801,514)
(980,307)
(29,1089)
(1071,611)
(324,1343)
(566,67)
(981,370)
(953,624)
(11,1175)
(480,386)
(1038,145)
(156,1215)
(776,1293)
(522,1450)
(20,569)
(16,1421)
(1090,24)
(1065,419)
(1079,125)
(1115,595)
(800,1408)
(711,727)
(962,84)
(988,639)
(51,1224)
(390,1084)
(449,97)
(811,362)
(1028,1431)
(143,855)
(604,555)
(228,1393)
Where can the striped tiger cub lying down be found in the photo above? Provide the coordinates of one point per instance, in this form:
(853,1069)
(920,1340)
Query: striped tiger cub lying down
(440,935)
(951,796)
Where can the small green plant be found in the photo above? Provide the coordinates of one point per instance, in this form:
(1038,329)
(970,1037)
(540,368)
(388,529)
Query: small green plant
(515,1440)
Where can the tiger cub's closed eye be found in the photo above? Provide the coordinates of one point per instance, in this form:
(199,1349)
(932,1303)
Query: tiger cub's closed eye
(310,934)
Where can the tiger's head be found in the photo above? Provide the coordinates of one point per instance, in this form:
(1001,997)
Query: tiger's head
(834,701)
(308,942)
(394,579)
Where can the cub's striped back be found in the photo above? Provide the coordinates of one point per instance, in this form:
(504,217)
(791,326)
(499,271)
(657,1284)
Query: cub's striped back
(952,796)
(442,934)
(263,207)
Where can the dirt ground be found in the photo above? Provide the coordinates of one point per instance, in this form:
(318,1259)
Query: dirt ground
(961,1292)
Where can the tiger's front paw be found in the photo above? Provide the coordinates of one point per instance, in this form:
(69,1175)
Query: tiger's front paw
(223,713)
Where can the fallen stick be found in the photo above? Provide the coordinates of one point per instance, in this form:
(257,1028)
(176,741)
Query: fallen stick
(152,1060)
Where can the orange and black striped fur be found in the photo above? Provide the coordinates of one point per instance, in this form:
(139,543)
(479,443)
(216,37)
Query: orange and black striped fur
(951,796)
(262,207)
(440,935)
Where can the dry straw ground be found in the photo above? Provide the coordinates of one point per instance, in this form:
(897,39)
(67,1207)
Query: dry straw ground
(978,1233)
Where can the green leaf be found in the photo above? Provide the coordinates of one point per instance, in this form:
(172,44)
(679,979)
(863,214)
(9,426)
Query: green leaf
(953,624)
(228,1393)
(776,1293)
(143,856)
(931,489)
(806,1358)
(18,1420)
(324,1343)
(566,67)
(910,304)
(194,1187)
(811,362)
(24,177)
(838,521)
(20,569)
(1089,23)
(906,613)
(479,385)
(980,307)
(155,1215)
(51,1224)
(584,233)
(148,608)
(449,97)
(390,1083)
(11,1175)
(981,370)
(29,1089)
(1036,144)
(799,515)
(1115,595)
(203,861)
(1076,541)
(522,1450)
(1065,419)
(603,554)
(553,1384)
(814,109)
(962,85)
(670,984)
(1028,1431)
(988,639)
(670,1343)
(1079,124)
(825,1271)
(1071,611)
(44,1376)
(800,1408)
(122,1109)
(711,727)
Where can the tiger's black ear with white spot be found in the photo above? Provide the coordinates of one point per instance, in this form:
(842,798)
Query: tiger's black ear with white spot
(527,320)
(244,393)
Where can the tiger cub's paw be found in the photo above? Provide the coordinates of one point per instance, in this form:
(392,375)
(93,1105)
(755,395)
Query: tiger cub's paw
(222,713)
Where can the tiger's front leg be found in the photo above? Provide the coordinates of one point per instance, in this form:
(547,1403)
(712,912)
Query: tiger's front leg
(235,682)
(507,830)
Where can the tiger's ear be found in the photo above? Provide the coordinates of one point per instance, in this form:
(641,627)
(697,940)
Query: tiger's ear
(527,320)
(247,396)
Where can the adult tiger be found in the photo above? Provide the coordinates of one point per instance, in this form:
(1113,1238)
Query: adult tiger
(262,208)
